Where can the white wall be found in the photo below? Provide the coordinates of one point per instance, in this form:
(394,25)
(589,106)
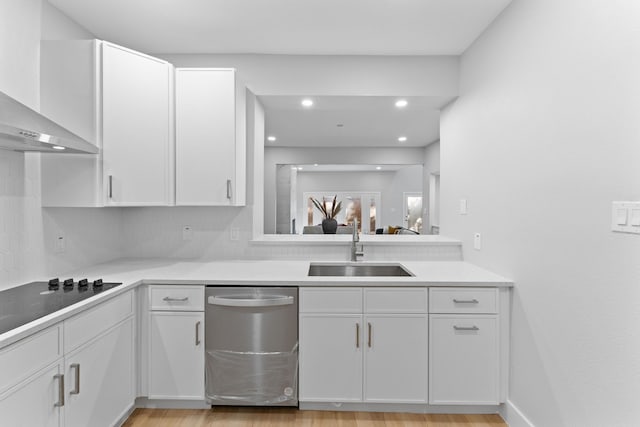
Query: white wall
(27,232)
(544,136)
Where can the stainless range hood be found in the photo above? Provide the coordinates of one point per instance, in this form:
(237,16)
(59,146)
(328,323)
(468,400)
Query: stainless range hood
(23,129)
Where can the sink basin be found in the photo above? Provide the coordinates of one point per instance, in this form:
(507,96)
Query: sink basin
(358,270)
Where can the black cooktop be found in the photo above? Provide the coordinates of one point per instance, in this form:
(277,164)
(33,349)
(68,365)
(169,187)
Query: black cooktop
(26,303)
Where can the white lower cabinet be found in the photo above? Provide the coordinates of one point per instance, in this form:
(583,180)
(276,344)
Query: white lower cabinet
(176,363)
(375,351)
(466,350)
(35,401)
(330,357)
(464,359)
(100,378)
(395,358)
(76,373)
(176,342)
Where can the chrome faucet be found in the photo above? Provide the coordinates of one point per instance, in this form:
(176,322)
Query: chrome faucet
(355,253)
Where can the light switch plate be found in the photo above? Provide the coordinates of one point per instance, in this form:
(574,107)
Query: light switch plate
(625,217)
(477,241)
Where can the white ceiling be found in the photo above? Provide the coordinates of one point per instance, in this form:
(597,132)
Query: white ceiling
(354,27)
(367,121)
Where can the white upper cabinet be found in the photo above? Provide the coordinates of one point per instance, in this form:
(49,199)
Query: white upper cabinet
(206,138)
(136,111)
(121,100)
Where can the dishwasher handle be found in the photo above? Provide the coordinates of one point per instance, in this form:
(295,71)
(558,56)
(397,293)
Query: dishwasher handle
(251,302)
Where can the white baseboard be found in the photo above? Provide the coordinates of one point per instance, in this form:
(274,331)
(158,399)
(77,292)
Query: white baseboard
(513,416)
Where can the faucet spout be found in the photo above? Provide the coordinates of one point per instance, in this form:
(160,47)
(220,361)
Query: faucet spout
(355,253)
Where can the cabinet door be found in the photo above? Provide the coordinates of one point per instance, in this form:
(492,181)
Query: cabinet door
(33,402)
(396,358)
(464,359)
(136,120)
(99,379)
(331,358)
(205,136)
(176,355)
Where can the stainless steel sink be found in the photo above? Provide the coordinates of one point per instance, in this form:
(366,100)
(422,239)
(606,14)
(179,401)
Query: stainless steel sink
(353,269)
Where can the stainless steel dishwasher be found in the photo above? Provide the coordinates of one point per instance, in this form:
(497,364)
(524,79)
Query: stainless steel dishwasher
(251,343)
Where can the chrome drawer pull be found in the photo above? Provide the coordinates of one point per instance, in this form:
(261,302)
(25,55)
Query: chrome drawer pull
(76,390)
(111,186)
(169,299)
(466,328)
(369,340)
(357,335)
(465,301)
(60,378)
(198,332)
(229,189)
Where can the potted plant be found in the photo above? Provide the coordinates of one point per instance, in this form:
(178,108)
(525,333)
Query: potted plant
(329,222)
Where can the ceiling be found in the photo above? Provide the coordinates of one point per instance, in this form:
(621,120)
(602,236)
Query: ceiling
(367,121)
(335,27)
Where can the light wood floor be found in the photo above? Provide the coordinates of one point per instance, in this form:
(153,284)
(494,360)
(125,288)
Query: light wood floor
(277,417)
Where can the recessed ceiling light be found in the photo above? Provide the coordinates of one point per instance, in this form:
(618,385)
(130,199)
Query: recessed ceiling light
(299,168)
(378,167)
(57,147)
(271,138)
(307,102)
(401,103)
(402,139)
(315,164)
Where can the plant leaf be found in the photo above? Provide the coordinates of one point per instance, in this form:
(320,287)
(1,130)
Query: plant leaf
(320,207)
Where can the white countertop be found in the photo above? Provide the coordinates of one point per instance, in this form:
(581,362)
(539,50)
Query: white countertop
(134,272)
(283,272)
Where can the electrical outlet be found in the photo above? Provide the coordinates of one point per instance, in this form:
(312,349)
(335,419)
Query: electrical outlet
(234,233)
(187,232)
(477,241)
(59,245)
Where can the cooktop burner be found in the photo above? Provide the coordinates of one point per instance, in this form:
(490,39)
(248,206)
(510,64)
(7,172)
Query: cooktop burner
(26,303)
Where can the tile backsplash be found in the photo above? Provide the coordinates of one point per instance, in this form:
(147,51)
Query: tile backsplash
(28,232)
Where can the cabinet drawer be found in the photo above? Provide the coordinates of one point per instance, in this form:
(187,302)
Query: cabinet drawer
(29,355)
(176,298)
(91,323)
(463,300)
(330,300)
(395,300)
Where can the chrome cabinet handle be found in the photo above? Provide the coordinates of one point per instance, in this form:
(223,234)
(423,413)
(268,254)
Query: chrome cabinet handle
(465,301)
(60,378)
(229,189)
(76,367)
(198,332)
(357,335)
(170,299)
(369,338)
(466,328)
(111,186)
